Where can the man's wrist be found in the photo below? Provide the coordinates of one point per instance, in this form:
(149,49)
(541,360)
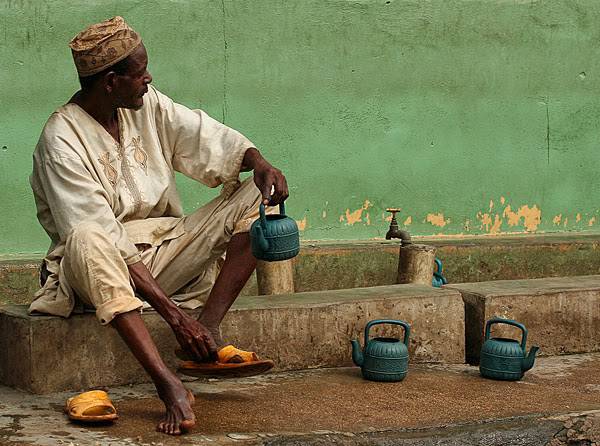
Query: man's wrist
(252,159)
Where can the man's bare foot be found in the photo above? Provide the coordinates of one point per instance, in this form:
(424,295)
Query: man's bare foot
(178,402)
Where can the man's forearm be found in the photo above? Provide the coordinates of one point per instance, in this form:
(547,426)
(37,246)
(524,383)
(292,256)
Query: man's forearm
(252,158)
(150,290)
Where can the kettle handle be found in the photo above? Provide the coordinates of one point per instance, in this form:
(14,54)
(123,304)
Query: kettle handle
(438,264)
(263,216)
(498,320)
(388,321)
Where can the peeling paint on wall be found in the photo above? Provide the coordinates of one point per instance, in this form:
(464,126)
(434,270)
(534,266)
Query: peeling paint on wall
(302,223)
(532,217)
(408,221)
(592,221)
(556,220)
(492,226)
(356,216)
(578,218)
(437,220)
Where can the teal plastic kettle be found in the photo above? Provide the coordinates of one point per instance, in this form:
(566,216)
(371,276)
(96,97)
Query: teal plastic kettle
(274,237)
(383,359)
(505,359)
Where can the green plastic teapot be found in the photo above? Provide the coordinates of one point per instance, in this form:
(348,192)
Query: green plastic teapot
(274,237)
(383,359)
(505,359)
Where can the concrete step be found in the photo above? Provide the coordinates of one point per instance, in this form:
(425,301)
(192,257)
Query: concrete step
(562,315)
(351,264)
(44,354)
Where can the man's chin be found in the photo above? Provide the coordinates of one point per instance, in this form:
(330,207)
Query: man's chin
(136,105)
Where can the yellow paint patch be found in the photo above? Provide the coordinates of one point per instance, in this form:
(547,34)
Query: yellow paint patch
(532,217)
(324,214)
(408,221)
(556,220)
(301,224)
(502,200)
(437,220)
(356,216)
(513,217)
(496,226)
(592,221)
(486,220)
(566,221)
(491,205)
(492,225)
(578,218)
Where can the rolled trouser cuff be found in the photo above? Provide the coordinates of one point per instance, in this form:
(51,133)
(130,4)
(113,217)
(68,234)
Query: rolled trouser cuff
(109,309)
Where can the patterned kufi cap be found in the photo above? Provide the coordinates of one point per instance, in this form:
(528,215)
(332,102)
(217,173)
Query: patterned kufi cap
(102,45)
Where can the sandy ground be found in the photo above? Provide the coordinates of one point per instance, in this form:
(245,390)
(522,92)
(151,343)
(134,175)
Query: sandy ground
(316,402)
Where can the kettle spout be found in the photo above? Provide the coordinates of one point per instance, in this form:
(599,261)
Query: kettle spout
(357,356)
(530,359)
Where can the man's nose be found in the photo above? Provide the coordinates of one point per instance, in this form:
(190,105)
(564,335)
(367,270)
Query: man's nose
(148,78)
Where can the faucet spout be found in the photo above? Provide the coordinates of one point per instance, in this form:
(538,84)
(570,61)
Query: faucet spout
(395,232)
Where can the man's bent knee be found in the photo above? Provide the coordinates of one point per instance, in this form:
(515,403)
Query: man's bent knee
(87,230)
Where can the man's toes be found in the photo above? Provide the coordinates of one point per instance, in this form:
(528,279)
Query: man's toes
(161,427)
(187,424)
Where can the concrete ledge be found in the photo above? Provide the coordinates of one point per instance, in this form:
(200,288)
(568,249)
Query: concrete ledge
(44,354)
(562,315)
(349,264)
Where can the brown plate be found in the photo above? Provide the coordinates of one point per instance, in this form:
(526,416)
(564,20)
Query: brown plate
(229,370)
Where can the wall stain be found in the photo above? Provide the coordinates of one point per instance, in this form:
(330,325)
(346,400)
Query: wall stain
(492,226)
(532,217)
(437,220)
(556,220)
(356,216)
(302,223)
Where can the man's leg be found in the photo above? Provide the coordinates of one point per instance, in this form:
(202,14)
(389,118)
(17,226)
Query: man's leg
(98,274)
(177,400)
(237,269)
(218,227)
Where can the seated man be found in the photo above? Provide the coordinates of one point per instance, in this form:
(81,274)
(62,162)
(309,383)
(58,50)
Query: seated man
(104,185)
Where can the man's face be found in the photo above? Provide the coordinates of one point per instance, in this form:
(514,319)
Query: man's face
(133,85)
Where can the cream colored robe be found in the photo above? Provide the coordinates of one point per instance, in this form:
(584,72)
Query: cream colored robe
(81,174)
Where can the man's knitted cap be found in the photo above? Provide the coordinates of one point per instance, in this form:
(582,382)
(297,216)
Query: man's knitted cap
(102,45)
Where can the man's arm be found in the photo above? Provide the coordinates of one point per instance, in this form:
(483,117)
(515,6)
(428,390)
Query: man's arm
(191,334)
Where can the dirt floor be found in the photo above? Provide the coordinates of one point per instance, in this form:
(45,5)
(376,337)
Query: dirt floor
(332,400)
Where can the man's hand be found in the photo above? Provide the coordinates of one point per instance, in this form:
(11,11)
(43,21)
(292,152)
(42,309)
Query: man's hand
(266,177)
(195,339)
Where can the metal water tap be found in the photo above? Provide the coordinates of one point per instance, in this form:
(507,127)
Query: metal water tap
(394,231)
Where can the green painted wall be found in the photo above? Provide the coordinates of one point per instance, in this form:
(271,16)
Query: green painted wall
(472,116)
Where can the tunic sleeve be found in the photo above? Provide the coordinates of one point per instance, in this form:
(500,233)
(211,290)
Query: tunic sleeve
(73,197)
(199,146)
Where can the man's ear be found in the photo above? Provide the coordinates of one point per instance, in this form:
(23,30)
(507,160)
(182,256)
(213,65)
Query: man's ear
(110,80)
